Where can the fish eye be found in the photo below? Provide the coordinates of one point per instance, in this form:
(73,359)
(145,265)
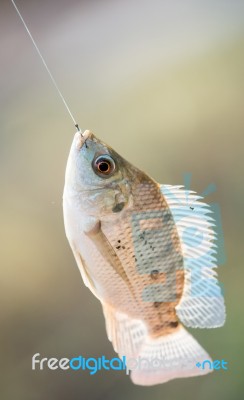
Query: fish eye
(103,165)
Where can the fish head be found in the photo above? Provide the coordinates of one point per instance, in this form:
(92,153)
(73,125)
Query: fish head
(98,176)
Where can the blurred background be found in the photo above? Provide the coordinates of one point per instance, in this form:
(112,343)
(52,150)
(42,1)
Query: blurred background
(163,83)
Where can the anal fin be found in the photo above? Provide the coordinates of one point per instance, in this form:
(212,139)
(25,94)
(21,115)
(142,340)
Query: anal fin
(126,334)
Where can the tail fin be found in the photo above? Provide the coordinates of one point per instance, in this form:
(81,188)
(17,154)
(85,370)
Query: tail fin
(177,355)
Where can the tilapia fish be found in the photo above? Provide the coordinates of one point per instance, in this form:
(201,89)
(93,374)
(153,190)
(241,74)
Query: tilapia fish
(147,252)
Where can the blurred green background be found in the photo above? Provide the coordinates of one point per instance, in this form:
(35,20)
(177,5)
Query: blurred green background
(163,83)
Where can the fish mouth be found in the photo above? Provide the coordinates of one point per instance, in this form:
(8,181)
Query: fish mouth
(81,137)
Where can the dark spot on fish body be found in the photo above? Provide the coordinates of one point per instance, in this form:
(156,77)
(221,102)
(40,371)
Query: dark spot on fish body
(154,274)
(164,327)
(174,324)
(157,304)
(167,216)
(118,247)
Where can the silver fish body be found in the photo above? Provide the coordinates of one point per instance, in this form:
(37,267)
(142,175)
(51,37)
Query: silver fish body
(121,228)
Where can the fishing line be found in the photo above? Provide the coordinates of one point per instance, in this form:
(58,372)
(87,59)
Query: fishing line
(45,65)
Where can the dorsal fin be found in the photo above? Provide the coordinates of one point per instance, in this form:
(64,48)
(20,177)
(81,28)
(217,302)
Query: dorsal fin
(202,303)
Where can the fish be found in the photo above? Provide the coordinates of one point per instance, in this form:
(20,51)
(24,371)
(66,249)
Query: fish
(148,253)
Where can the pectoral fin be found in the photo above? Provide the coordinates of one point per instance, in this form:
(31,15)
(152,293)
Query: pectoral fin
(107,251)
(88,281)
